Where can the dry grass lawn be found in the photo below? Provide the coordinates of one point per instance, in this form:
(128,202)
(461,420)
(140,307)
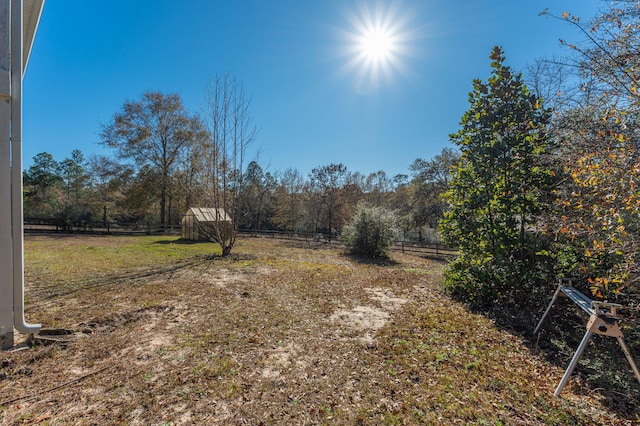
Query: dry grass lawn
(276,334)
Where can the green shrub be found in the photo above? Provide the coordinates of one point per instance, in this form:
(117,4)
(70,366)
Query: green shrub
(371,231)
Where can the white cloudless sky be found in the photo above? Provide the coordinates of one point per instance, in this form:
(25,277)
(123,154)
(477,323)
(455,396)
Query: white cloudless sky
(316,99)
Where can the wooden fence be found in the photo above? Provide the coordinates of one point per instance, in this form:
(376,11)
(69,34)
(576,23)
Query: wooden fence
(425,249)
(418,248)
(38,225)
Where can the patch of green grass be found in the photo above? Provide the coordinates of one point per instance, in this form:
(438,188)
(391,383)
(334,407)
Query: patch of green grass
(423,271)
(86,256)
(217,367)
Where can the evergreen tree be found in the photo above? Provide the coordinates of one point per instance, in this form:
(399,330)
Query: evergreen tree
(495,196)
(42,182)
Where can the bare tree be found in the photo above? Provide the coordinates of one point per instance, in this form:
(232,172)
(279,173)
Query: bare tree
(558,82)
(289,213)
(378,187)
(107,178)
(231,131)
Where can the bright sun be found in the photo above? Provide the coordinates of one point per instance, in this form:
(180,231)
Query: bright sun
(377,39)
(377,44)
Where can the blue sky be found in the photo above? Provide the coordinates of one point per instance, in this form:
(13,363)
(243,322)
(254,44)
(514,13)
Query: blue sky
(314,101)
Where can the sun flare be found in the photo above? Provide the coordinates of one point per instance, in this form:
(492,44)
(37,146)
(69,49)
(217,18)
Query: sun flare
(377,43)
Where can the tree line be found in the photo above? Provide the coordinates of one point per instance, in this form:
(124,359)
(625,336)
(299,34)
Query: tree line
(99,190)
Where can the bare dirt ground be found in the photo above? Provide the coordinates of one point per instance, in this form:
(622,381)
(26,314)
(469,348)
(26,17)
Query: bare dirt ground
(281,335)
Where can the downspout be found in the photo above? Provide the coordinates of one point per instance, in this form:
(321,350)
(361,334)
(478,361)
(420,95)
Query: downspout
(6,243)
(17,72)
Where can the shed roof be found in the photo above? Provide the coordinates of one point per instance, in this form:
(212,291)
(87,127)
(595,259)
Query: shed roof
(209,214)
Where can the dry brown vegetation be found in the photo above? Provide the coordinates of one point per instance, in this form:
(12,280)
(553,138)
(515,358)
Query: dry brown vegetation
(275,334)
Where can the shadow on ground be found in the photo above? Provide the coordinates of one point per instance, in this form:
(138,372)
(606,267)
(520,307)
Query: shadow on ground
(364,260)
(603,368)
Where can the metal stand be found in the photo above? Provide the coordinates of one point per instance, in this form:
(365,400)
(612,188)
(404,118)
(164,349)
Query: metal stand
(603,320)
